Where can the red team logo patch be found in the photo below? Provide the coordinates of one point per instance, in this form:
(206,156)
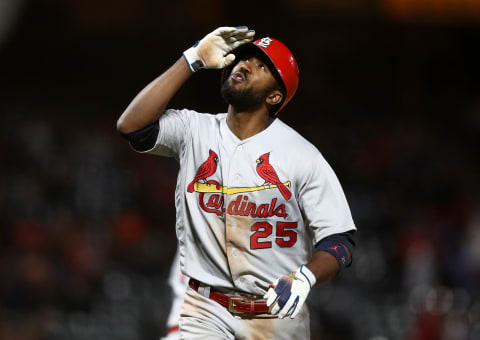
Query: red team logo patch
(207,169)
(212,200)
(269,175)
(215,203)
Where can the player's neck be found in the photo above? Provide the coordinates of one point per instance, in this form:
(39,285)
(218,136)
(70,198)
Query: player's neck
(247,124)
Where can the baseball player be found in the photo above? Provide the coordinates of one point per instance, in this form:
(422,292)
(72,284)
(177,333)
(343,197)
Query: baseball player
(261,217)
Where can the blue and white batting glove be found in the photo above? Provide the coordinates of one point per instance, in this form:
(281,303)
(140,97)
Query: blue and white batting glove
(289,293)
(213,50)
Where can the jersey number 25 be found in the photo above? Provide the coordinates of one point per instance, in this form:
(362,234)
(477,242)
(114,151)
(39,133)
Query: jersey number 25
(285,236)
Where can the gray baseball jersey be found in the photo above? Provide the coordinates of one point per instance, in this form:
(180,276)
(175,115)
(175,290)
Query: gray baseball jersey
(248,211)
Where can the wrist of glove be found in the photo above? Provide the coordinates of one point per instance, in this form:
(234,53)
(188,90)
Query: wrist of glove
(287,296)
(213,51)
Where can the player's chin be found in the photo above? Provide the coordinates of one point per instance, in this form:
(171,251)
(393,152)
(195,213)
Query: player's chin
(231,90)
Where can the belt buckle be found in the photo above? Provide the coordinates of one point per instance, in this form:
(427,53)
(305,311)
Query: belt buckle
(231,304)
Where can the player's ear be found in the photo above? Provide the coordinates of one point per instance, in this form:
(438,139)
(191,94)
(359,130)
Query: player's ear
(274,98)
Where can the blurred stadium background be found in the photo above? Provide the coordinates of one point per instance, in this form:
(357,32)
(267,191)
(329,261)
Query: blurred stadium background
(389,93)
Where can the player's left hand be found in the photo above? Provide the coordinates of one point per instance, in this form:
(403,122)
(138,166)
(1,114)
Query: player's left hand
(287,296)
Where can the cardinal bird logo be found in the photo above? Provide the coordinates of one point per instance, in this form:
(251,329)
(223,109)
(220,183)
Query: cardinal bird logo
(268,174)
(205,170)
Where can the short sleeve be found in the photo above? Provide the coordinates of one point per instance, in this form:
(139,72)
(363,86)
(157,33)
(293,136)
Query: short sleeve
(174,128)
(322,201)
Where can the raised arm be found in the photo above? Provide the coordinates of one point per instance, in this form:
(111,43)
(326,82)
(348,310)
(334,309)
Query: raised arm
(210,52)
(150,103)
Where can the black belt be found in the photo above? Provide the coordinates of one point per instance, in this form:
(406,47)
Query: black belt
(234,304)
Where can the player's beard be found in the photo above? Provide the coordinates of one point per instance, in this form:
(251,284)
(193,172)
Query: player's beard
(245,99)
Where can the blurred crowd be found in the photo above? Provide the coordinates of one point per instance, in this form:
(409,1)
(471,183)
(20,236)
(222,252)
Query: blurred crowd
(87,225)
(81,251)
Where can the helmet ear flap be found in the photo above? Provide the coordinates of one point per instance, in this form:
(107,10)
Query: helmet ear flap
(285,65)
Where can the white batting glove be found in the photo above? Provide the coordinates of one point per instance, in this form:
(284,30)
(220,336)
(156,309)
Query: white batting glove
(212,51)
(289,293)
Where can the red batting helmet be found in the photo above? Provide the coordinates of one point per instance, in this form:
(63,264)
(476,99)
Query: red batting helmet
(283,63)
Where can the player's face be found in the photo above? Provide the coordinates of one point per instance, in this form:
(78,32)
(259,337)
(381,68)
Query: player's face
(249,84)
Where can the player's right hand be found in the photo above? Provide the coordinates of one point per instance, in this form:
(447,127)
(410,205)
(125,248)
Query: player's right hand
(213,50)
